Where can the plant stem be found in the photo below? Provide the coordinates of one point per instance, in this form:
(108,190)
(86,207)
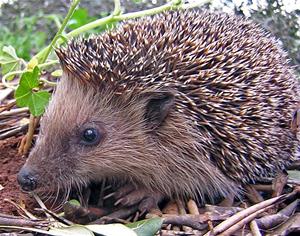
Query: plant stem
(7,84)
(50,83)
(44,54)
(49,63)
(120,17)
(33,121)
(19,72)
(115,17)
(117,10)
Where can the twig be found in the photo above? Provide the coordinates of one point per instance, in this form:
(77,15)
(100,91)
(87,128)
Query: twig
(7,106)
(244,221)
(254,228)
(278,184)
(4,93)
(180,206)
(21,210)
(117,8)
(192,207)
(263,187)
(13,221)
(11,85)
(25,145)
(178,233)
(245,213)
(198,222)
(13,132)
(13,112)
(57,217)
(269,221)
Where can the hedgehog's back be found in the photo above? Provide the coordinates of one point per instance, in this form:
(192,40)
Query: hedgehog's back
(231,78)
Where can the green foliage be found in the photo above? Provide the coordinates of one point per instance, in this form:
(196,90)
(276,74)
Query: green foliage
(80,18)
(283,25)
(146,227)
(9,60)
(74,202)
(24,35)
(27,94)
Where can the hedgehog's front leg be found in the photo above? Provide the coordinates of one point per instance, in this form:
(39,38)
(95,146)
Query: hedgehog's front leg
(145,199)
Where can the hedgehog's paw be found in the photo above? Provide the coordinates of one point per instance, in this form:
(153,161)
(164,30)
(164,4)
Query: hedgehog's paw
(143,198)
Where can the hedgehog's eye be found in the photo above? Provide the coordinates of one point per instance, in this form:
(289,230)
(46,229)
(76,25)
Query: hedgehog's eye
(90,136)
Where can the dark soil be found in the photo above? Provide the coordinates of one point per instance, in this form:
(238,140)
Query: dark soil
(10,164)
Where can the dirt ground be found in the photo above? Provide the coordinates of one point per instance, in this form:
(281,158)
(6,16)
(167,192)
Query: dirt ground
(10,164)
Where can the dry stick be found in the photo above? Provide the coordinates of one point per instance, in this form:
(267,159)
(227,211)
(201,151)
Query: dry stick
(26,144)
(243,222)
(12,112)
(7,106)
(193,221)
(182,211)
(57,217)
(192,207)
(21,210)
(10,221)
(50,215)
(5,93)
(167,232)
(241,215)
(180,206)
(254,228)
(13,132)
(263,187)
(270,221)
(278,184)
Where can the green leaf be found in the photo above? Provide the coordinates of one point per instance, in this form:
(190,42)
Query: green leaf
(30,79)
(32,63)
(26,96)
(9,50)
(57,73)
(9,60)
(80,18)
(111,230)
(74,230)
(74,202)
(146,227)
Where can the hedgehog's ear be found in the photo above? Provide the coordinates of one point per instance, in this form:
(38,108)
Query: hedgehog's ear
(158,107)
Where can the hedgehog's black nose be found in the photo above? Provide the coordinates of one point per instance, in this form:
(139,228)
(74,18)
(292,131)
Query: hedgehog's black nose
(26,179)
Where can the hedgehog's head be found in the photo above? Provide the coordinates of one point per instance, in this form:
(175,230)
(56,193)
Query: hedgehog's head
(90,133)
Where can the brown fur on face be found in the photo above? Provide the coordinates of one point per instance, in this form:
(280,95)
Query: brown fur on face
(188,103)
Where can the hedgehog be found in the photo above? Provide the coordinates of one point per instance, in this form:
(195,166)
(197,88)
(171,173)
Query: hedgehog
(182,104)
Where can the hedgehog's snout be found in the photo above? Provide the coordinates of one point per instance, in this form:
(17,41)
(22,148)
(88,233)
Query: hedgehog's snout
(27,179)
